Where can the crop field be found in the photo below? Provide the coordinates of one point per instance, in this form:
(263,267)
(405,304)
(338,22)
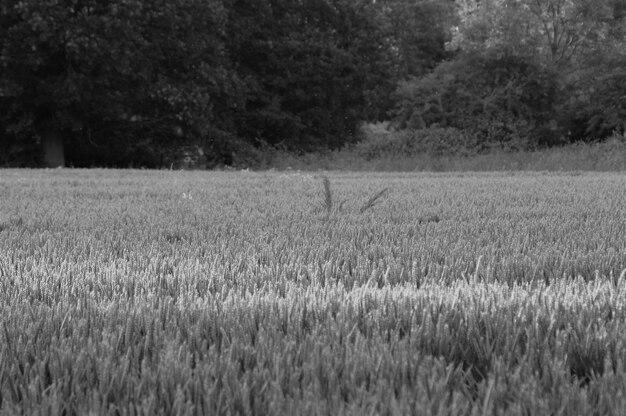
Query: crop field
(289,293)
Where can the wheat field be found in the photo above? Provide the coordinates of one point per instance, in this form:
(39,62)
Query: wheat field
(291,293)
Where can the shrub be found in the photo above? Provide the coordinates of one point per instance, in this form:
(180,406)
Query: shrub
(436,141)
(505,101)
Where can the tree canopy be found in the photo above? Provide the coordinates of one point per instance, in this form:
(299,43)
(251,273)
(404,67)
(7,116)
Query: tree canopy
(128,82)
(312,69)
(110,76)
(125,77)
(537,71)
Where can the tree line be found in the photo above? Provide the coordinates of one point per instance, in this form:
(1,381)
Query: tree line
(120,82)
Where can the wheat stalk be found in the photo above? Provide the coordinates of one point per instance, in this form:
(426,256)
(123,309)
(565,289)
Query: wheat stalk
(373,200)
(328,195)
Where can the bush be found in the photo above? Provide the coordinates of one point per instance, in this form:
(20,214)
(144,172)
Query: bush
(435,141)
(504,101)
(114,153)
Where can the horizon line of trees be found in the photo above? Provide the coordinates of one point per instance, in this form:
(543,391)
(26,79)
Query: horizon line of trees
(131,82)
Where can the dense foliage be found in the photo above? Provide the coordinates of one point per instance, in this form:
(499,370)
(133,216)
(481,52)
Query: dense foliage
(505,101)
(170,293)
(135,82)
(525,74)
(313,69)
(418,31)
(109,77)
(115,77)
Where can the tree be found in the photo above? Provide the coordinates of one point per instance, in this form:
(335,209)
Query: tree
(554,32)
(568,50)
(312,69)
(503,101)
(595,106)
(116,76)
(419,31)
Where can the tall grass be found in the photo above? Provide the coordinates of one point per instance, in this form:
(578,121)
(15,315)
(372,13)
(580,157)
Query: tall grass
(223,293)
(604,157)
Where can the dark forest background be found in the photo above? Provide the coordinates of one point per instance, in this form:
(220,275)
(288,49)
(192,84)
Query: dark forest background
(145,82)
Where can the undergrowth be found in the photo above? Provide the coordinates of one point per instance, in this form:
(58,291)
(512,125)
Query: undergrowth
(389,152)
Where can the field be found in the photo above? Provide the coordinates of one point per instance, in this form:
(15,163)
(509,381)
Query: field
(283,293)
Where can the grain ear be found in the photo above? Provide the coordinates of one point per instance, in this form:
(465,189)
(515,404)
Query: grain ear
(373,200)
(328,195)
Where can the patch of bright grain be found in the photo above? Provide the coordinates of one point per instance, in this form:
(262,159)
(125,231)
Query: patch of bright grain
(497,293)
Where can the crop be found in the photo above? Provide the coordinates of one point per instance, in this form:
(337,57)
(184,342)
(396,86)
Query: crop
(160,292)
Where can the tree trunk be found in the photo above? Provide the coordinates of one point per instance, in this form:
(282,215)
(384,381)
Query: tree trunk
(52,148)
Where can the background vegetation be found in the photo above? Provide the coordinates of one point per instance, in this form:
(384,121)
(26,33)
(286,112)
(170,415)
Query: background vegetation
(147,83)
(444,149)
(280,293)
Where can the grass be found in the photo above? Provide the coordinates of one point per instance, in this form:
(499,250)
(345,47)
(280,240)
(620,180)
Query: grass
(157,292)
(603,156)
